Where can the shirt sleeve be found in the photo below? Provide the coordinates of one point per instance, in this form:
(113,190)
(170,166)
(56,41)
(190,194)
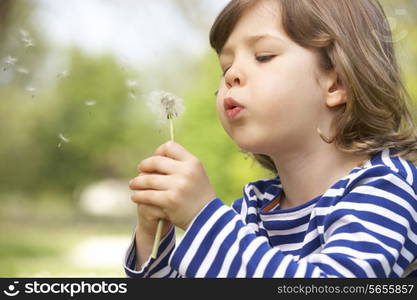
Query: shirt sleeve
(157,267)
(369,232)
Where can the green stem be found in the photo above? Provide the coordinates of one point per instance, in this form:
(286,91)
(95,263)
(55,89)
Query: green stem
(171,126)
(157,239)
(161,222)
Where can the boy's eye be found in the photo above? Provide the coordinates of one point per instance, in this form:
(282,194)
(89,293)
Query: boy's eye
(225,71)
(264,58)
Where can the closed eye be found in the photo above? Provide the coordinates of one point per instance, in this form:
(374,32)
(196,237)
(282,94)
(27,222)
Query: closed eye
(264,58)
(225,71)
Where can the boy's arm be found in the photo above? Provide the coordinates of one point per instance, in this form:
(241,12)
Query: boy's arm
(146,267)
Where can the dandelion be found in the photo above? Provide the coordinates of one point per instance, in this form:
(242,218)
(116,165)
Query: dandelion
(167,106)
(8,62)
(62,139)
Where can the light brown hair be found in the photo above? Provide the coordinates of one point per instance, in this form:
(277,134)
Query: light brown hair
(353,38)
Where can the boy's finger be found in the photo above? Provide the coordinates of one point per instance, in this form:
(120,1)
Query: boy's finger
(150,197)
(149,182)
(158,164)
(155,211)
(174,151)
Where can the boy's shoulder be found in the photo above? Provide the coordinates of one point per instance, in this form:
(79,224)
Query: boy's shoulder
(261,191)
(382,168)
(263,186)
(264,183)
(385,165)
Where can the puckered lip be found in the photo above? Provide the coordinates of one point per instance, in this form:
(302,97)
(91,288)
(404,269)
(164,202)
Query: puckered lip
(230,103)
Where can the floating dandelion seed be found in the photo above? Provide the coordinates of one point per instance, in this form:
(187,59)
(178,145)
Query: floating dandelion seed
(28,42)
(26,39)
(167,106)
(24,33)
(131,83)
(62,139)
(132,96)
(63,74)
(8,62)
(22,71)
(31,90)
(401,12)
(90,102)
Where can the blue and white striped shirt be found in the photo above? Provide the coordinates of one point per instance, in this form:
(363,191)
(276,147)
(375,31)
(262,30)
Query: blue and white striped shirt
(365,225)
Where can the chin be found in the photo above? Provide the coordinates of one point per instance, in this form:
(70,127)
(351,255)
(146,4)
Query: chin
(249,146)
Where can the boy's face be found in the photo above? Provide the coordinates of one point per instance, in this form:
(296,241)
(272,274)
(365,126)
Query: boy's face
(274,79)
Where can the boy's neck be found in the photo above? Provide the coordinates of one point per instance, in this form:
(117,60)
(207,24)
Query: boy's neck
(308,174)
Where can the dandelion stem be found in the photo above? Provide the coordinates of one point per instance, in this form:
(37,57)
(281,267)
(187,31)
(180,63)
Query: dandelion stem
(171,126)
(161,222)
(157,238)
(168,107)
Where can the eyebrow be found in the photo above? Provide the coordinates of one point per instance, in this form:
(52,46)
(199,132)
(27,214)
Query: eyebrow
(250,40)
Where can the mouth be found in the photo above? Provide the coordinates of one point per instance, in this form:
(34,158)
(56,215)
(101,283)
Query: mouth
(232,108)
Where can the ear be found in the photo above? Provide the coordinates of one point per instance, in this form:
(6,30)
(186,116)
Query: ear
(336,92)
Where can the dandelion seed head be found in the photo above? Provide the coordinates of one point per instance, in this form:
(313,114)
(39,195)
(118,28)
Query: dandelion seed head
(165,105)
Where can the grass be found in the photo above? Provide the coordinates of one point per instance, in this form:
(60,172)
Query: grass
(70,246)
(54,239)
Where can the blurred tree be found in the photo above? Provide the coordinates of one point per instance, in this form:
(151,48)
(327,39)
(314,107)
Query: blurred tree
(5,6)
(81,132)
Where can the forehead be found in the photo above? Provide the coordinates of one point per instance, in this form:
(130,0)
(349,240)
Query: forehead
(261,19)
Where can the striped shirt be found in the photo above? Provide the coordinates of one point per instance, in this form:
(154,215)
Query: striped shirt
(365,225)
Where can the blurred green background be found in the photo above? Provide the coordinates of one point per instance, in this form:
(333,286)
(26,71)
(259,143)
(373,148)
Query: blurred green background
(74,80)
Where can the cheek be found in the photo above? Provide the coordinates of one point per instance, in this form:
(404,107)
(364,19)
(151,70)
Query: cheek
(219,99)
(290,89)
(220,110)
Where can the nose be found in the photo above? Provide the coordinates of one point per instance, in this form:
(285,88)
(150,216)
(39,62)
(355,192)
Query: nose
(234,77)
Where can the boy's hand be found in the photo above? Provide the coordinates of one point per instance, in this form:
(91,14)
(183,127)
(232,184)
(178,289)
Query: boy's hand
(178,184)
